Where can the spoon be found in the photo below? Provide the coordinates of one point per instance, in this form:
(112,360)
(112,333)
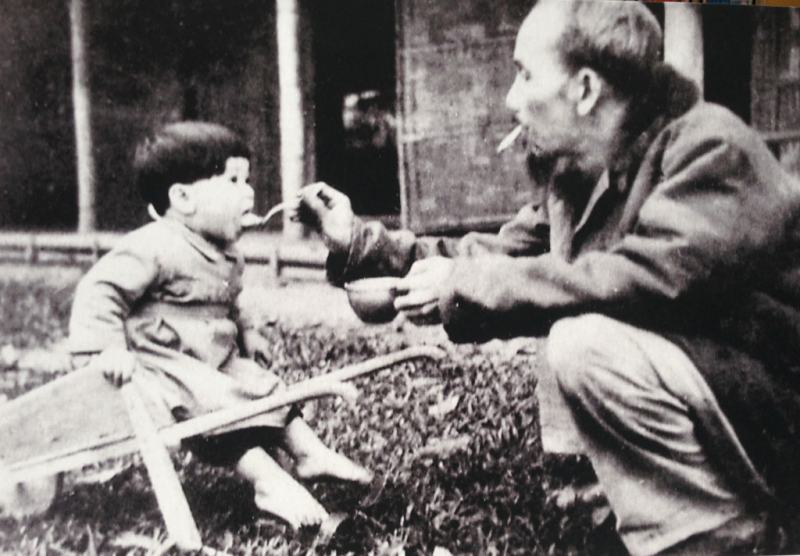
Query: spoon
(251,220)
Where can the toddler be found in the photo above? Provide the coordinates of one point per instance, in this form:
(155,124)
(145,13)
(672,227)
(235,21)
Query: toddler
(164,302)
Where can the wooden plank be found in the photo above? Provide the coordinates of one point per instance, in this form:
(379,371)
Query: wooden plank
(77,409)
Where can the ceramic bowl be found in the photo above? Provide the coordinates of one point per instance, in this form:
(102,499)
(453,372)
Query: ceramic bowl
(372,299)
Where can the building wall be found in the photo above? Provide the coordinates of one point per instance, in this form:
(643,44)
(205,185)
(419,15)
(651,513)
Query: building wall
(775,82)
(155,61)
(151,62)
(455,67)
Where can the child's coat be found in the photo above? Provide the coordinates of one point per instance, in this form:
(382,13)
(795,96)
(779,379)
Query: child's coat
(170,295)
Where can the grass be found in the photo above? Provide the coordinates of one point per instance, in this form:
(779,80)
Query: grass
(457,443)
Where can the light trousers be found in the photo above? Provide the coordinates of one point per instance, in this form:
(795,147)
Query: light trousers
(643,414)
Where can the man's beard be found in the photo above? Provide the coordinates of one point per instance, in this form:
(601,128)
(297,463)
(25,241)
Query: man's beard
(563,176)
(540,168)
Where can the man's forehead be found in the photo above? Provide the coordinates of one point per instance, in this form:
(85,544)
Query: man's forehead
(542,27)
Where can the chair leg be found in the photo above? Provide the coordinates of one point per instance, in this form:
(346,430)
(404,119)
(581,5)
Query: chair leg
(178,518)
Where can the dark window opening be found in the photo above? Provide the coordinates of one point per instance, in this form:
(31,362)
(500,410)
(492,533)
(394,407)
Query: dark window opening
(354,98)
(727,51)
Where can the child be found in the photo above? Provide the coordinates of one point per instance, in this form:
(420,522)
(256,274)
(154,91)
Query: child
(163,302)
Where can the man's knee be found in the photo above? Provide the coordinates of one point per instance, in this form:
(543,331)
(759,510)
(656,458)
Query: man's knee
(573,345)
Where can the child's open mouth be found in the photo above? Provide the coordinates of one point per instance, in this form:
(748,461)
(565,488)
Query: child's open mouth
(250,219)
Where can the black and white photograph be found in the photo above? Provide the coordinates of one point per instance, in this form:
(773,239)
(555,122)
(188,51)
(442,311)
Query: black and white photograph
(399,277)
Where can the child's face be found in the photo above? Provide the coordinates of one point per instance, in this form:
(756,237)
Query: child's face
(221,201)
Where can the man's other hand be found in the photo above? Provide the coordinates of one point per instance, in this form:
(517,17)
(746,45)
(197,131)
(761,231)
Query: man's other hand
(421,289)
(328,211)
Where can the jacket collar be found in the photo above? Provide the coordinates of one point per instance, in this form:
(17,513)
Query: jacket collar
(669,96)
(207,249)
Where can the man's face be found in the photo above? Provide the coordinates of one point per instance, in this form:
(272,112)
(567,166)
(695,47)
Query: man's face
(538,95)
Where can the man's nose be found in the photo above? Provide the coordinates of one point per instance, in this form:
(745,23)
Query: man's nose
(512,97)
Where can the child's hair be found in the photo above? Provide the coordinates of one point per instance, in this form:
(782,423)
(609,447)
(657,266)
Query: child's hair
(183,152)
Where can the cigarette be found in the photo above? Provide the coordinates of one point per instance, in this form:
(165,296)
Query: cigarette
(509,139)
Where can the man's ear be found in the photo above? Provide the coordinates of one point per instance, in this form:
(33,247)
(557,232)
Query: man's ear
(181,199)
(587,86)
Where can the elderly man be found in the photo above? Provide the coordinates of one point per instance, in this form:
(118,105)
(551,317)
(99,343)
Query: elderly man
(663,263)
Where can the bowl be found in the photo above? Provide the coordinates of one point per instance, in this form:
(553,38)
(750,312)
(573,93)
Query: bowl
(372,299)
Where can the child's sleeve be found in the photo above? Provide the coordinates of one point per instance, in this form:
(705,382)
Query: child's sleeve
(104,297)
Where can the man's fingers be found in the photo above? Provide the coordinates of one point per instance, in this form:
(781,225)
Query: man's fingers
(415,299)
(315,201)
(319,195)
(424,266)
(324,194)
(311,205)
(427,314)
(412,281)
(416,269)
(425,310)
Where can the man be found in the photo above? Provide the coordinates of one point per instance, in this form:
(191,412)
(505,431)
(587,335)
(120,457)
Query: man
(661,264)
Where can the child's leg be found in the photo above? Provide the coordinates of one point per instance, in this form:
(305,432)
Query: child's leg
(277,492)
(315,460)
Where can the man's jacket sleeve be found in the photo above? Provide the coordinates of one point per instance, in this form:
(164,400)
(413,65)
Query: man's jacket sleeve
(376,251)
(719,205)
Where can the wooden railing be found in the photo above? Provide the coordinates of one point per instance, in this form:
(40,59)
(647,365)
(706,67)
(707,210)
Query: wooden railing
(77,249)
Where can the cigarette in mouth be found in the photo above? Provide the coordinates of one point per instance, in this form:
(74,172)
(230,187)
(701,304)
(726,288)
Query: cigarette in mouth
(509,139)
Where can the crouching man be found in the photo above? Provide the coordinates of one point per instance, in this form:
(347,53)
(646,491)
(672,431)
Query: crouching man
(663,265)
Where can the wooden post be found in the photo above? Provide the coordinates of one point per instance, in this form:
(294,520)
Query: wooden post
(83,125)
(291,108)
(683,40)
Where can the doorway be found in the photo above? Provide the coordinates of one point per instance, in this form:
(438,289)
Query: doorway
(354,102)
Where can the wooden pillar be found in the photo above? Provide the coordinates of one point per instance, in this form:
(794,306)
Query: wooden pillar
(291,108)
(82,112)
(683,40)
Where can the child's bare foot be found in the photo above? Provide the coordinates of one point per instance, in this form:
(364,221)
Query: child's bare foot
(314,460)
(278,493)
(330,464)
(289,501)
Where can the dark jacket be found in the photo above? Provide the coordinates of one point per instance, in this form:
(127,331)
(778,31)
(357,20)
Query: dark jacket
(693,234)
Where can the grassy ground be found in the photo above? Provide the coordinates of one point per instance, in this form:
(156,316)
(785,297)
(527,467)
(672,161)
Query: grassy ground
(457,444)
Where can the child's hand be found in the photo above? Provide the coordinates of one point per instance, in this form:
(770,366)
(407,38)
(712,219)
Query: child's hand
(255,346)
(116,364)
